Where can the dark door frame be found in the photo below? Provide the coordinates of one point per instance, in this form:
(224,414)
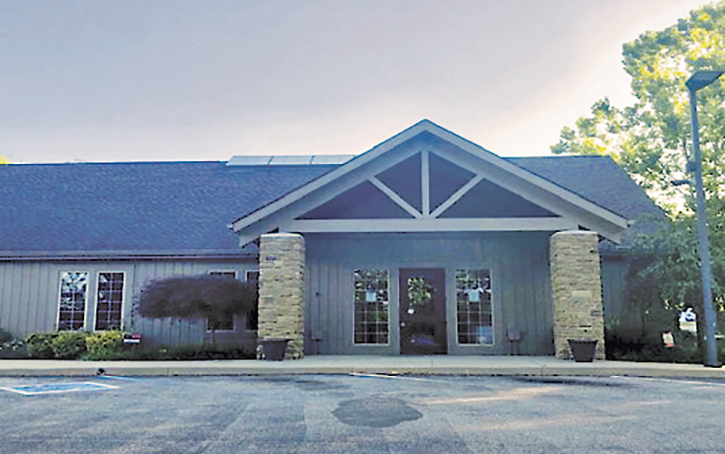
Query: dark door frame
(423,329)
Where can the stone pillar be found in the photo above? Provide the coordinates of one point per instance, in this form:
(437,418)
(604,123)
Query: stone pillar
(576,290)
(282,290)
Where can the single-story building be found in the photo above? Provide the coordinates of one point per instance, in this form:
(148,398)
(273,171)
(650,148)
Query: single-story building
(425,244)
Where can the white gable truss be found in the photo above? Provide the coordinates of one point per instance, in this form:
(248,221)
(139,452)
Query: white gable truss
(427,143)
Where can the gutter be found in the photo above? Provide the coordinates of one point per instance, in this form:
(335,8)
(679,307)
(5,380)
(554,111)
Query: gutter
(14,256)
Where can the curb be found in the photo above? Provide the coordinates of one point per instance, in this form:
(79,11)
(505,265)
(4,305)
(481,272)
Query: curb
(423,366)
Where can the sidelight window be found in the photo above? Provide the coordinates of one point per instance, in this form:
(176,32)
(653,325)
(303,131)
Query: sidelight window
(371,306)
(474,309)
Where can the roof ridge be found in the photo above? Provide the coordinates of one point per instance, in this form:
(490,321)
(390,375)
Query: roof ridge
(28,164)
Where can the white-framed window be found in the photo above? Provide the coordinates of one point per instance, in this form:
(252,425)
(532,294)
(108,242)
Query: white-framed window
(109,299)
(225,273)
(225,322)
(371,306)
(474,309)
(252,319)
(251,276)
(73,294)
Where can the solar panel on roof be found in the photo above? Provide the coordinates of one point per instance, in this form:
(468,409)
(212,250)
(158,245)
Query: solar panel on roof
(332,158)
(289,160)
(249,160)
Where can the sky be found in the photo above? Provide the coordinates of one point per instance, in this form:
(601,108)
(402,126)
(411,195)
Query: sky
(176,80)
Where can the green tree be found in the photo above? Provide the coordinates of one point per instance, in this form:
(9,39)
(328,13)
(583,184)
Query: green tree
(651,138)
(652,141)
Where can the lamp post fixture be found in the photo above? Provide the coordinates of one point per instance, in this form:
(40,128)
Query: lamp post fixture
(697,81)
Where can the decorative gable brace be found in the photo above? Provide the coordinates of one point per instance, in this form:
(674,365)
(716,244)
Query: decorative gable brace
(428,179)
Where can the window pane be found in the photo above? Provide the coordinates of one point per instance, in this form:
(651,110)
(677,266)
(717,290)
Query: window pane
(110,288)
(252,320)
(73,287)
(473,295)
(371,306)
(253,276)
(223,323)
(224,273)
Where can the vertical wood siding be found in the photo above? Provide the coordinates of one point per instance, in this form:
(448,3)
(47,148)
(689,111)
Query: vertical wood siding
(619,314)
(29,297)
(518,263)
(520,279)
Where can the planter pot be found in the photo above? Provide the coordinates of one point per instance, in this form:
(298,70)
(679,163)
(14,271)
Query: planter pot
(274,348)
(582,350)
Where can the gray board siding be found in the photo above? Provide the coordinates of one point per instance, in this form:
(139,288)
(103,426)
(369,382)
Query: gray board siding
(520,284)
(29,297)
(518,262)
(619,314)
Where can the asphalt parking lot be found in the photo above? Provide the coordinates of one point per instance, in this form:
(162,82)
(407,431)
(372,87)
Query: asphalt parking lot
(361,414)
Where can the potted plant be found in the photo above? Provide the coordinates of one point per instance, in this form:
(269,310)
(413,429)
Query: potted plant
(582,349)
(274,348)
(582,345)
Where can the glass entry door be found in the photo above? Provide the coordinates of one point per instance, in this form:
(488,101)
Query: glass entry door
(422,311)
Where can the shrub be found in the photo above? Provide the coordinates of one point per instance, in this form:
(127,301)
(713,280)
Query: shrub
(61,345)
(192,352)
(69,344)
(106,345)
(5,336)
(648,346)
(39,345)
(14,349)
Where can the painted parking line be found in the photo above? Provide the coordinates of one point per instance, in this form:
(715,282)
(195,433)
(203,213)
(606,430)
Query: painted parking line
(116,377)
(671,380)
(57,388)
(394,376)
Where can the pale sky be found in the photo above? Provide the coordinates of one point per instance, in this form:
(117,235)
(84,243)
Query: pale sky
(181,80)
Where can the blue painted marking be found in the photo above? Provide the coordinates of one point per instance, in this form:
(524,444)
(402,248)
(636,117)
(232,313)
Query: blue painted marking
(55,388)
(115,377)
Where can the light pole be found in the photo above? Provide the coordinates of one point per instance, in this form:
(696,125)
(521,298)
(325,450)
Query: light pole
(697,81)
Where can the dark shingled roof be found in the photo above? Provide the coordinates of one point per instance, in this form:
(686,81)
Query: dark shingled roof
(596,178)
(151,206)
(186,206)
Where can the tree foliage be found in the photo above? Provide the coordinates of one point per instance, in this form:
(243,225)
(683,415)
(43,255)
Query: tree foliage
(651,138)
(665,267)
(197,296)
(652,141)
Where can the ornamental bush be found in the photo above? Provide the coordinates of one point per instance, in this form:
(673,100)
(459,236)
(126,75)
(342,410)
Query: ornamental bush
(58,345)
(197,296)
(5,336)
(105,345)
(11,348)
(69,344)
(39,345)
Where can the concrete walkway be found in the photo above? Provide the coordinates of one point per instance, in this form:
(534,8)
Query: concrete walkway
(423,365)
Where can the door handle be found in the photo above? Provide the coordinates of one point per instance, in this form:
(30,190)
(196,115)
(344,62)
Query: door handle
(402,324)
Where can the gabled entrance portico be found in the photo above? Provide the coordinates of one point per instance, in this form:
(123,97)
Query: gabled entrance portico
(428,244)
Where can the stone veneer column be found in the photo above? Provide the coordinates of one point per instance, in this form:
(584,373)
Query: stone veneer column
(282,290)
(576,290)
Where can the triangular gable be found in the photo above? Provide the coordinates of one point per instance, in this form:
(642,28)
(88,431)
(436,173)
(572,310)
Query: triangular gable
(449,193)
(364,201)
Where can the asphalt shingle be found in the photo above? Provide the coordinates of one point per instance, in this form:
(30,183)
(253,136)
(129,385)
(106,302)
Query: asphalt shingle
(186,206)
(155,206)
